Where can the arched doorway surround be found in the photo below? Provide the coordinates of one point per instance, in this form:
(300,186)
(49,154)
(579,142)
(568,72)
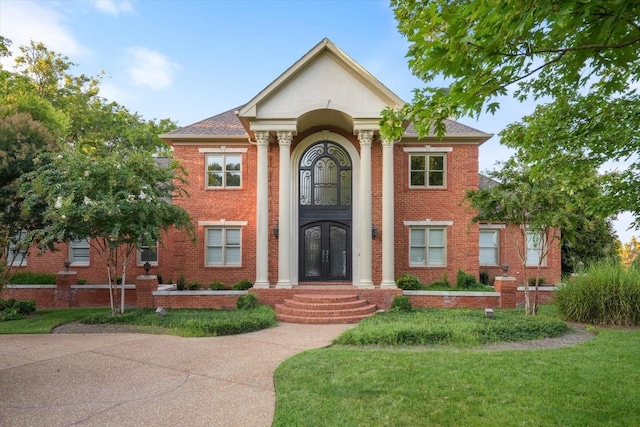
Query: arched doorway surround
(342,225)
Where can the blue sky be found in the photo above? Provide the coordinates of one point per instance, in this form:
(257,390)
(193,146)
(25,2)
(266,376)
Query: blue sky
(189,60)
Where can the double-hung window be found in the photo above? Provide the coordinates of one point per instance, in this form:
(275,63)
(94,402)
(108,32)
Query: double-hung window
(535,246)
(79,252)
(428,246)
(17,255)
(224,170)
(223,246)
(427,170)
(489,248)
(148,252)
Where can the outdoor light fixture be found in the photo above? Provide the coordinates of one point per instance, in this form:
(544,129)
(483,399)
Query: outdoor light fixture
(146,267)
(505,269)
(67,263)
(276,230)
(488,313)
(160,311)
(374,231)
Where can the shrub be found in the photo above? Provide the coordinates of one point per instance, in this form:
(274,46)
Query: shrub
(247,302)
(30,278)
(193,286)
(401,303)
(82,281)
(181,283)
(465,280)
(532,281)
(216,286)
(484,277)
(12,309)
(242,285)
(408,282)
(606,294)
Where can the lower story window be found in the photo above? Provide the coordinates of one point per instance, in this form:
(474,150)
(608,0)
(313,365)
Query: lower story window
(79,252)
(223,246)
(148,252)
(17,256)
(535,245)
(489,247)
(428,246)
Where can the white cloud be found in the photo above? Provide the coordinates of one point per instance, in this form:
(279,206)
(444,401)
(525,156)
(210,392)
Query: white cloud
(23,21)
(113,7)
(150,68)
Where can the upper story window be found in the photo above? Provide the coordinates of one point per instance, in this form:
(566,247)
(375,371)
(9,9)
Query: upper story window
(427,170)
(224,170)
(79,252)
(17,255)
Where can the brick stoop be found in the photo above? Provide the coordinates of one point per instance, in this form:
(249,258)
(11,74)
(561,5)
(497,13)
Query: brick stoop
(324,309)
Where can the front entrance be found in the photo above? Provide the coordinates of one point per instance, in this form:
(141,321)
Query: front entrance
(325,208)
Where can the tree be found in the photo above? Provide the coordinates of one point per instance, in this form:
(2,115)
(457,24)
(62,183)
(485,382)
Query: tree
(629,251)
(535,210)
(592,239)
(537,48)
(118,198)
(21,140)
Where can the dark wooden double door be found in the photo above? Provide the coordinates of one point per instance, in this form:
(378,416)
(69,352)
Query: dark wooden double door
(325,212)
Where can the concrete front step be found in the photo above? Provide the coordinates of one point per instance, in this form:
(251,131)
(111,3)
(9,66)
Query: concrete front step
(324,309)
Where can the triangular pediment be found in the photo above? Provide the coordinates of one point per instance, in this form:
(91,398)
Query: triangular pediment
(325,78)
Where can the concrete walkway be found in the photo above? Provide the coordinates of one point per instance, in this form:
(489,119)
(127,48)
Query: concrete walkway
(154,380)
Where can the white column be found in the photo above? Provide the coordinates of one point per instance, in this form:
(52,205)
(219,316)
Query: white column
(388,234)
(262,211)
(284,211)
(366,138)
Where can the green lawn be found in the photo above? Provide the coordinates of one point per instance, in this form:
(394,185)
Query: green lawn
(42,321)
(590,384)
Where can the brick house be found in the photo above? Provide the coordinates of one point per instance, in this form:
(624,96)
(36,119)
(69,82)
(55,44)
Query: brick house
(296,187)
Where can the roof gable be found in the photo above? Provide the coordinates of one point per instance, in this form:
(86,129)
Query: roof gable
(324,78)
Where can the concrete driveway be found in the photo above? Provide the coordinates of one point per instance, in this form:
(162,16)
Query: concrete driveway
(157,380)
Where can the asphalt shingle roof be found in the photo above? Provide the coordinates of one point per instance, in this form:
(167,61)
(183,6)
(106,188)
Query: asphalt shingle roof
(226,123)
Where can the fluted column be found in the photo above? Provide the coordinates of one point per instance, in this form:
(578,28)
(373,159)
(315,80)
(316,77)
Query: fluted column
(366,138)
(284,211)
(262,211)
(388,230)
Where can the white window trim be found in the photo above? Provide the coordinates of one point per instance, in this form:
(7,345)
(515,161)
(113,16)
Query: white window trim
(428,223)
(223,149)
(223,152)
(76,263)
(492,226)
(446,244)
(427,149)
(140,262)
(224,227)
(497,247)
(428,154)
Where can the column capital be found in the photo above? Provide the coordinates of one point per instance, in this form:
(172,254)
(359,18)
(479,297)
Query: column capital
(388,142)
(262,138)
(285,137)
(365,137)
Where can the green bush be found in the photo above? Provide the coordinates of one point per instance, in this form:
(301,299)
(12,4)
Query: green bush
(401,303)
(181,284)
(247,302)
(242,285)
(12,309)
(465,280)
(193,286)
(31,278)
(606,294)
(408,282)
(484,278)
(532,281)
(216,286)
